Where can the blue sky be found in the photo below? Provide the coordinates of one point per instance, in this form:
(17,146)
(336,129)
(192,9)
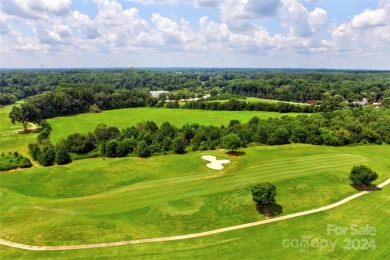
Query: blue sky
(346,34)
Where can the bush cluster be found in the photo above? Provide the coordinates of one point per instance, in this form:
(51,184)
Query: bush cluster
(45,152)
(13,161)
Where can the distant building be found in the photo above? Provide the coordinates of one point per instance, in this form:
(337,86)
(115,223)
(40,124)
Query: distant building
(156,94)
(195,99)
(206,95)
(377,103)
(361,103)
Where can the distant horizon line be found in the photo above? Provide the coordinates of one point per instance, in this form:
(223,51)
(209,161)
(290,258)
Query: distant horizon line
(188,68)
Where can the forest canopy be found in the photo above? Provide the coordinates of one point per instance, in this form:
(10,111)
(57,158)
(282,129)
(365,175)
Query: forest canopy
(286,85)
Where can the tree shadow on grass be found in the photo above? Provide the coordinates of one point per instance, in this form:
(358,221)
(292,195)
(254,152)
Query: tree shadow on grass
(362,187)
(270,211)
(236,153)
(30,130)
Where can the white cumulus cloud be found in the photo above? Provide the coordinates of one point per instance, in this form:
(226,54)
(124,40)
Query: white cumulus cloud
(35,9)
(371,18)
(301,22)
(240,15)
(235,31)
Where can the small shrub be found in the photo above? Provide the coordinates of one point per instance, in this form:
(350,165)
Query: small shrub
(34,151)
(47,156)
(94,109)
(178,145)
(12,161)
(143,149)
(362,175)
(62,156)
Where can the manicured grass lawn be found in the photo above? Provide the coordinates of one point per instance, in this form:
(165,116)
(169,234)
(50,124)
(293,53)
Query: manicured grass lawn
(262,100)
(261,242)
(252,99)
(97,200)
(122,118)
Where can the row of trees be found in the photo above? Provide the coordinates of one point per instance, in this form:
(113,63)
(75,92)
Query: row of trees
(143,140)
(287,85)
(45,152)
(341,127)
(70,100)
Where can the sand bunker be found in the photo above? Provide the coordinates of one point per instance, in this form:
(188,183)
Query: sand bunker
(214,163)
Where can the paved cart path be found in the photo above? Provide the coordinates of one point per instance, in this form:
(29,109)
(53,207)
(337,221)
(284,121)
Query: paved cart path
(188,236)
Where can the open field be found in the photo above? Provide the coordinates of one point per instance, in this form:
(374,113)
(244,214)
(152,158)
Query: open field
(122,118)
(98,200)
(262,100)
(252,99)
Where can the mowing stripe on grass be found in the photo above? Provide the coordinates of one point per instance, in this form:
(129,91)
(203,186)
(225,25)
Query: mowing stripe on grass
(188,236)
(160,191)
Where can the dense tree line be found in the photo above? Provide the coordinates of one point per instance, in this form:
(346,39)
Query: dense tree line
(336,128)
(70,100)
(287,85)
(45,152)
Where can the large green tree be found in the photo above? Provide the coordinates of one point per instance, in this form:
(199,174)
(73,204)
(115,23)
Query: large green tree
(231,142)
(26,113)
(264,194)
